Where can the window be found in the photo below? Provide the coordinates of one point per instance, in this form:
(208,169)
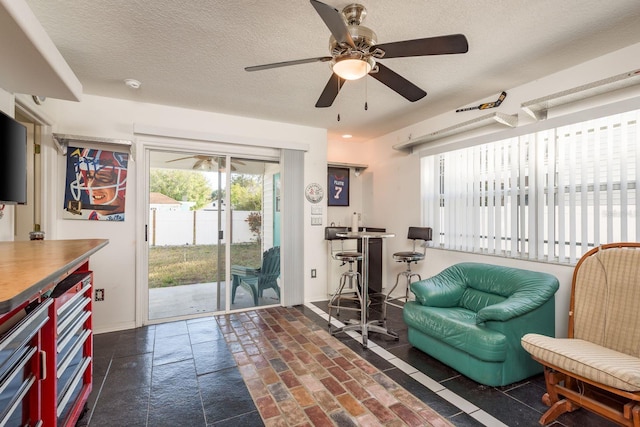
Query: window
(548,196)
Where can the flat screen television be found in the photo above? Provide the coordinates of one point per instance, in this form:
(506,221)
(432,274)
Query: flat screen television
(13,161)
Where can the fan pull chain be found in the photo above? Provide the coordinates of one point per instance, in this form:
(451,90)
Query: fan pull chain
(366,94)
(338,81)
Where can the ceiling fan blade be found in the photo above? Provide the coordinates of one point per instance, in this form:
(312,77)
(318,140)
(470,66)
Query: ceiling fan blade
(442,45)
(398,83)
(287,63)
(330,91)
(334,21)
(181,158)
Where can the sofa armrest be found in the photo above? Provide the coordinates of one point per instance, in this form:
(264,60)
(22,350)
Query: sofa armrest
(504,311)
(442,290)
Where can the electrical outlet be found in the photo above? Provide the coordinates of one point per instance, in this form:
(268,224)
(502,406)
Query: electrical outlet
(99,294)
(313,273)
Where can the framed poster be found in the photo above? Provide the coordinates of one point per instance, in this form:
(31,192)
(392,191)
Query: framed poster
(96,184)
(338,187)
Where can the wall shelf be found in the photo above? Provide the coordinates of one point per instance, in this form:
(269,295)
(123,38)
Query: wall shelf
(357,168)
(537,108)
(478,122)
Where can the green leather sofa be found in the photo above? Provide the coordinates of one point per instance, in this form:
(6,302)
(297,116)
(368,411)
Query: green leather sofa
(471,316)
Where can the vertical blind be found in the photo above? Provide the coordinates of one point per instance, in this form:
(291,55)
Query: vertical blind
(548,196)
(292,250)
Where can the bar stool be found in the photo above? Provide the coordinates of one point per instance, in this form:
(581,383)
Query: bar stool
(351,293)
(408,257)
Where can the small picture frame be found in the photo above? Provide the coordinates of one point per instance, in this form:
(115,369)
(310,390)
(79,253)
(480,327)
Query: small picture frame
(338,187)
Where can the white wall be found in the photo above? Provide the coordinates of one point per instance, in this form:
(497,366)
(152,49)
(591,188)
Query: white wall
(392,197)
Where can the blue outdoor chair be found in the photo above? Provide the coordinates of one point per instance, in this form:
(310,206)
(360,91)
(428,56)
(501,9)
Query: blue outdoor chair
(256,280)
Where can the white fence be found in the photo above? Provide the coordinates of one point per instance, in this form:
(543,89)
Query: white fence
(196,227)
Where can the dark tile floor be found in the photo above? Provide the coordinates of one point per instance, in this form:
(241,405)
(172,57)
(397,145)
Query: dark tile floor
(183,374)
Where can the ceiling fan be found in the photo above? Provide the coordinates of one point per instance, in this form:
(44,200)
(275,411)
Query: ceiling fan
(355,52)
(206,163)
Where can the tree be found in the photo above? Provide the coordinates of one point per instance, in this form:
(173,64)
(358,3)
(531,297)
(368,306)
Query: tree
(255,224)
(218,192)
(191,186)
(246,192)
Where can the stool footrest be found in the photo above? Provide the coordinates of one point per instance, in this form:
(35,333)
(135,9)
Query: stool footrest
(408,274)
(352,294)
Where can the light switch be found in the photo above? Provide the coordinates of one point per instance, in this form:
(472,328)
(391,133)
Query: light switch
(316,210)
(316,220)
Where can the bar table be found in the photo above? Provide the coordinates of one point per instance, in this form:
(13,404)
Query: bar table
(364,325)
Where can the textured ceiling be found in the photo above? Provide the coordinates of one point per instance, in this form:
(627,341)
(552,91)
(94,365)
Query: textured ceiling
(192,53)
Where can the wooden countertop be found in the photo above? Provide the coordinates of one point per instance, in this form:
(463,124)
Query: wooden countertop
(27,268)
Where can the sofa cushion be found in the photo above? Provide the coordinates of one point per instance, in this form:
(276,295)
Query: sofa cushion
(586,359)
(475,300)
(457,327)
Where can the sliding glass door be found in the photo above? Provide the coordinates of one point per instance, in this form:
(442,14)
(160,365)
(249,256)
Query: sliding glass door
(186,274)
(201,214)
(254,238)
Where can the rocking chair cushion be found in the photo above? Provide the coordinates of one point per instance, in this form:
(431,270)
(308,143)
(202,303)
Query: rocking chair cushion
(597,367)
(586,359)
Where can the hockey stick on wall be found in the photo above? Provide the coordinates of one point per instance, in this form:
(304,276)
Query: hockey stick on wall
(486,105)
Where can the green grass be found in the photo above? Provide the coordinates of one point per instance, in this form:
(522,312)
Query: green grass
(186,265)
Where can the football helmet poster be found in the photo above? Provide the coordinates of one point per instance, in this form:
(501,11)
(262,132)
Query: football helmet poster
(96,184)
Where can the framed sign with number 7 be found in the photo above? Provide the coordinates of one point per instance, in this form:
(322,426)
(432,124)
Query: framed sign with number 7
(338,187)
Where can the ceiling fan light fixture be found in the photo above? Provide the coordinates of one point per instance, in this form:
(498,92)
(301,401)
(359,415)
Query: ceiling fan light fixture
(353,68)
(205,165)
(354,51)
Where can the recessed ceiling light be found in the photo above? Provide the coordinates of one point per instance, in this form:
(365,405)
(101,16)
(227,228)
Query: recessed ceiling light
(133,83)
(347,136)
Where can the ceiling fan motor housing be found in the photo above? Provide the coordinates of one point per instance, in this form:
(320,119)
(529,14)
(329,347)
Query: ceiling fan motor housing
(363,37)
(354,13)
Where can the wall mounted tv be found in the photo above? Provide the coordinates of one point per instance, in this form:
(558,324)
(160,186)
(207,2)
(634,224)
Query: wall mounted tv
(13,161)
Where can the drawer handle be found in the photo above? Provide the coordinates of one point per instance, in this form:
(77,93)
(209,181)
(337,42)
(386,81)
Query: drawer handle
(62,366)
(17,368)
(63,321)
(73,298)
(22,392)
(71,386)
(27,323)
(67,335)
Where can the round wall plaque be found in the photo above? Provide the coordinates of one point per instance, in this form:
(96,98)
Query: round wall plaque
(314,192)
